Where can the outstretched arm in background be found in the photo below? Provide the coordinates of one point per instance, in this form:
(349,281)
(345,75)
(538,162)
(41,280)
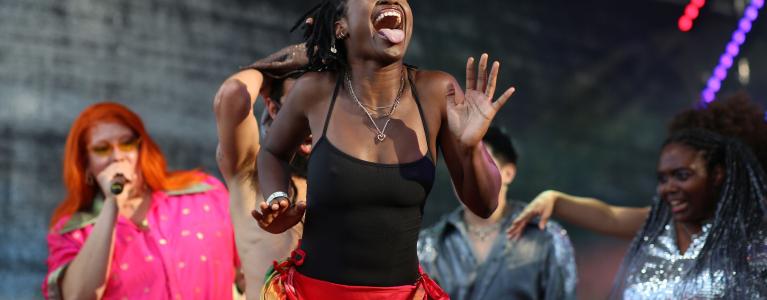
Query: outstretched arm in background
(589,213)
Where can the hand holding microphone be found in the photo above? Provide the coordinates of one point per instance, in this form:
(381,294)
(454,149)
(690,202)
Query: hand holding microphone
(114,178)
(118,183)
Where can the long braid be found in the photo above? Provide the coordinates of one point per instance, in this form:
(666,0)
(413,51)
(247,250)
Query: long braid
(320,36)
(740,213)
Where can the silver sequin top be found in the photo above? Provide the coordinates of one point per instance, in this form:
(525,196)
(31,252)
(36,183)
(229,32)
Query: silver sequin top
(661,275)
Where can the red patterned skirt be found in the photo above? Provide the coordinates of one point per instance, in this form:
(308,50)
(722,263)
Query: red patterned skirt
(285,283)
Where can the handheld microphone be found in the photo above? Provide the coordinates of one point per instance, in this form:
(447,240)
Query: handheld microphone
(117,184)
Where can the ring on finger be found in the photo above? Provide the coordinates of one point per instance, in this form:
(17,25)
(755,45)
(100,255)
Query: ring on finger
(276,196)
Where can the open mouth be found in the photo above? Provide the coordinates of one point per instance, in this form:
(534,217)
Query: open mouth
(677,205)
(388,23)
(388,18)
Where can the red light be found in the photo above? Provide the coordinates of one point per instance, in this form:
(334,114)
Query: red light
(685,23)
(691,12)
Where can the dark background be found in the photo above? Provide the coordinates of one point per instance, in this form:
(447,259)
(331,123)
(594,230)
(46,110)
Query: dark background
(596,83)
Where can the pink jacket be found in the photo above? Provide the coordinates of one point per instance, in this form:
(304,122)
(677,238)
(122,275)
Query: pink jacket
(185,251)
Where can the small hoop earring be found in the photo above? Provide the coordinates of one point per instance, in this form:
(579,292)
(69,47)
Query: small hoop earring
(89,180)
(333,48)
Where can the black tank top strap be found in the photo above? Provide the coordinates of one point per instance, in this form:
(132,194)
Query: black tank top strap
(420,109)
(333,101)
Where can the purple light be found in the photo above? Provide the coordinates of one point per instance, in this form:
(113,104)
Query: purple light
(739,37)
(715,84)
(732,50)
(708,96)
(720,72)
(725,61)
(745,25)
(751,13)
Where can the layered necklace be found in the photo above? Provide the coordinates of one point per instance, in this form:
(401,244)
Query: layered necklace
(380,131)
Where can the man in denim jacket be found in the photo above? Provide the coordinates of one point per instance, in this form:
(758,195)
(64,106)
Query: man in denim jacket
(472,258)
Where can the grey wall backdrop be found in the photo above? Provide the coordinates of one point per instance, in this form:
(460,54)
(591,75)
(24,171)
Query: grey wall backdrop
(597,81)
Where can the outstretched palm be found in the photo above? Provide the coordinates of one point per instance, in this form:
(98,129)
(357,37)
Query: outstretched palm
(469,116)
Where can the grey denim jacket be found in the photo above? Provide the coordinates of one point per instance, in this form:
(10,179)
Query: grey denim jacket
(539,265)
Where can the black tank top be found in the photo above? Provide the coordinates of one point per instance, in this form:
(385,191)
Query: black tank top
(363,218)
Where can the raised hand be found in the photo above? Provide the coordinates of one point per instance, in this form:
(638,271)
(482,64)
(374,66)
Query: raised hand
(283,63)
(542,205)
(279,217)
(469,115)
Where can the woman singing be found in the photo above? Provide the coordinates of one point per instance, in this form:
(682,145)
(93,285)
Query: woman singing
(130,229)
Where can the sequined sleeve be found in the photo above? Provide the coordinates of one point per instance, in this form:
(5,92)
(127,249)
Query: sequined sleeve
(561,271)
(758,255)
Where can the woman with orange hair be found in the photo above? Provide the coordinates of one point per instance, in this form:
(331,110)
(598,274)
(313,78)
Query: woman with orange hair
(166,235)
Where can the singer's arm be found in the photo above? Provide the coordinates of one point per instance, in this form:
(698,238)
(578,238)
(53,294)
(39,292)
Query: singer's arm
(85,278)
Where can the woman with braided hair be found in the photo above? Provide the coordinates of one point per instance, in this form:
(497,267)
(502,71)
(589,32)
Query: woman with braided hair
(705,237)
(736,115)
(712,207)
(376,125)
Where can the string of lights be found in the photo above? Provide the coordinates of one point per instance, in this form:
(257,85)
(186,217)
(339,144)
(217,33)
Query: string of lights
(732,50)
(691,12)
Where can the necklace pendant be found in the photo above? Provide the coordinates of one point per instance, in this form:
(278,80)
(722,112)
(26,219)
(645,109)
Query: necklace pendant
(381,137)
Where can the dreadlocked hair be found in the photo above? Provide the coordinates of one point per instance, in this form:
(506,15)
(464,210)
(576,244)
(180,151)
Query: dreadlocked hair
(320,36)
(740,214)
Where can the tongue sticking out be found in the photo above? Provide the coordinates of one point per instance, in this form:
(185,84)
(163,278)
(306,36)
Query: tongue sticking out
(394,36)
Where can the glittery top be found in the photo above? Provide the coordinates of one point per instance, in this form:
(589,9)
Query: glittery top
(661,274)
